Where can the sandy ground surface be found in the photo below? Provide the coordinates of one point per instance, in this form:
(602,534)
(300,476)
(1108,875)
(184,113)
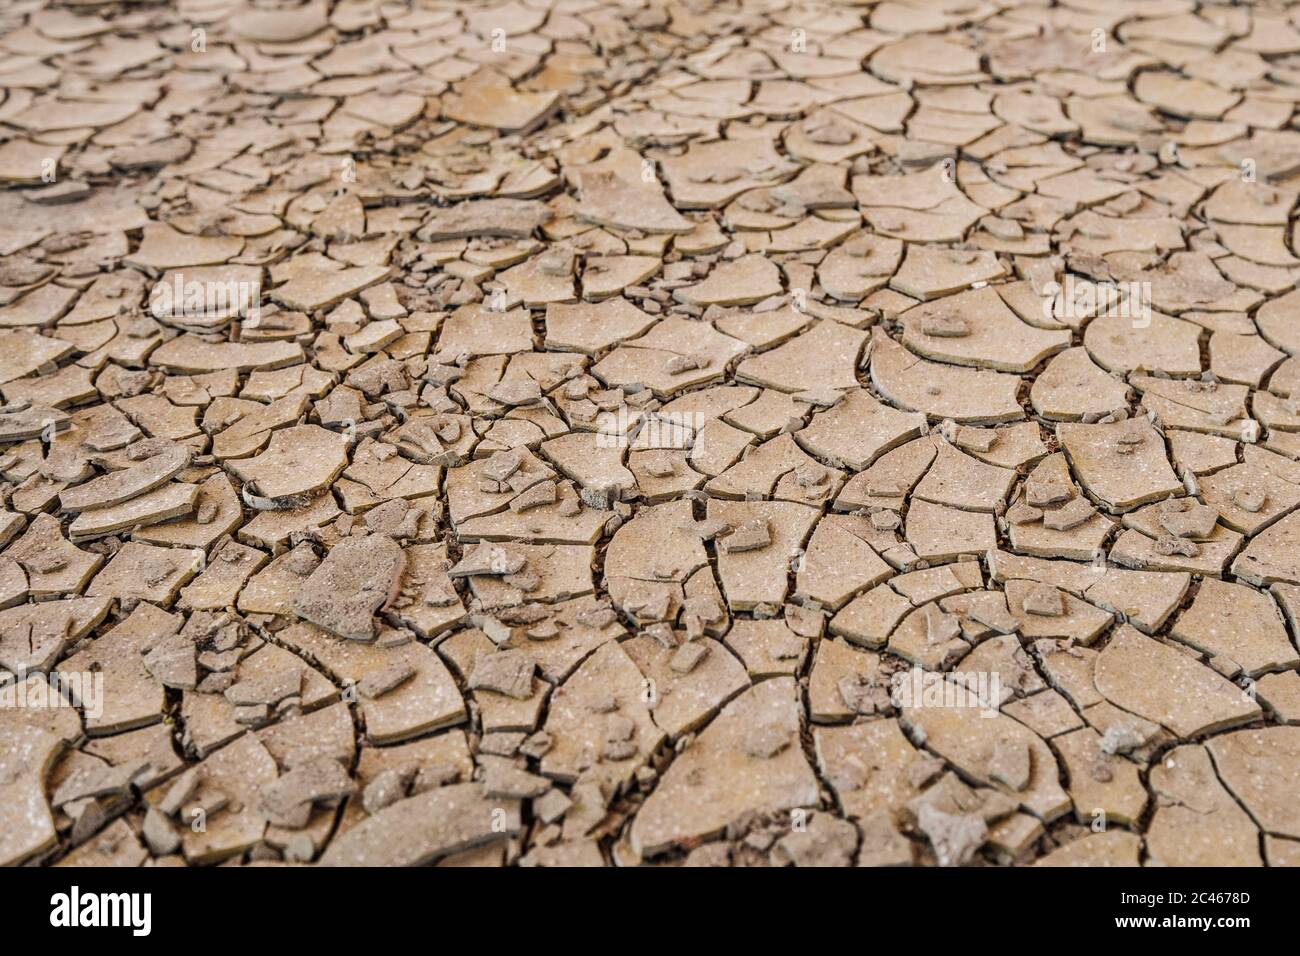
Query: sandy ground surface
(580,433)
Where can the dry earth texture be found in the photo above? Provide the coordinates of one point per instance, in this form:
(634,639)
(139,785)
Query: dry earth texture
(571,432)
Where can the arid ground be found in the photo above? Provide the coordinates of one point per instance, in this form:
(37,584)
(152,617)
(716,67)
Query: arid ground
(574,432)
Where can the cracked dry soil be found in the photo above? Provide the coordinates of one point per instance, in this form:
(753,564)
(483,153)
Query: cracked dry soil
(562,432)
